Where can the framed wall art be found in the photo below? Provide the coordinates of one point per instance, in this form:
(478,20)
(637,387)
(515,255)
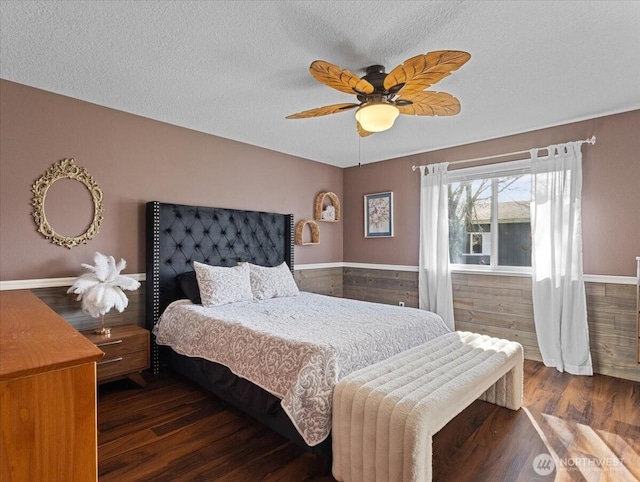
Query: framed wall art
(378,215)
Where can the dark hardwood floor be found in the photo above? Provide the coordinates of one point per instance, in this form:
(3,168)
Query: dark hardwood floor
(172,431)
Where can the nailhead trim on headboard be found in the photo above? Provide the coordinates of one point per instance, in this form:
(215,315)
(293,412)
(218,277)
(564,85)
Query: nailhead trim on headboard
(178,235)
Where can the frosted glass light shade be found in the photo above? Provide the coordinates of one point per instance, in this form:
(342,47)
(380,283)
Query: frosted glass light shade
(377,117)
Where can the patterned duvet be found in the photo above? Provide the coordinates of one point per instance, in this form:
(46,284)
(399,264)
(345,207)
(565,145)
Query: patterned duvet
(296,348)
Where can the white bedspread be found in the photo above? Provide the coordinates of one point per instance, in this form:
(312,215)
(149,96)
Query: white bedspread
(297,348)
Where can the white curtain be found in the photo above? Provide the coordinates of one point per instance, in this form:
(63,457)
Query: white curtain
(559,301)
(434,280)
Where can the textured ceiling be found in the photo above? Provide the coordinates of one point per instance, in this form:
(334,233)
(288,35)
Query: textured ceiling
(236,69)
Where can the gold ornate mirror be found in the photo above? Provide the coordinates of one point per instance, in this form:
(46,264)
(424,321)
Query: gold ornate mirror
(66,169)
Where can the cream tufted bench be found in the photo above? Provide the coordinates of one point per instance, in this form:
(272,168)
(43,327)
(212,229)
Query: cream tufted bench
(384,416)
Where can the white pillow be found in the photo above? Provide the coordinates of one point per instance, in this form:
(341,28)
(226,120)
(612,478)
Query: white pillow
(220,285)
(275,282)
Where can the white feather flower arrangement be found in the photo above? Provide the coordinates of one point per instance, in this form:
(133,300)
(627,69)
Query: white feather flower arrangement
(103,288)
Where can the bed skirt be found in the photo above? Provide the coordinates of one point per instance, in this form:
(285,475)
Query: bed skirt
(244,395)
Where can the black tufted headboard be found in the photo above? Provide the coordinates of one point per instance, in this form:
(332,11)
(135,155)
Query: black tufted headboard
(177,235)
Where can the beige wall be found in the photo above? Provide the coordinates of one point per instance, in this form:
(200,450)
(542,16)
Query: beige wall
(610,196)
(135,160)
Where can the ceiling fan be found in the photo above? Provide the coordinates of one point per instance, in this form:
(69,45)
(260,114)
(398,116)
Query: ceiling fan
(382,97)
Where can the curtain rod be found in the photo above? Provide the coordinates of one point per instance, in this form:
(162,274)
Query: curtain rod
(591,140)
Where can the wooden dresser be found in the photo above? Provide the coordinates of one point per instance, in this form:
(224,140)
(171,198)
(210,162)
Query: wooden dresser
(48,423)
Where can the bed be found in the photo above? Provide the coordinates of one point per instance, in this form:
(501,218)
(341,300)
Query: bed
(324,338)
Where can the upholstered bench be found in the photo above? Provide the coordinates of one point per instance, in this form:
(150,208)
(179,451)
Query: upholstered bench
(384,416)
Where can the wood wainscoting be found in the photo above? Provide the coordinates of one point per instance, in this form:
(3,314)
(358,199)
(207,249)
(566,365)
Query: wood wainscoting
(381,286)
(496,305)
(326,281)
(501,306)
(67,306)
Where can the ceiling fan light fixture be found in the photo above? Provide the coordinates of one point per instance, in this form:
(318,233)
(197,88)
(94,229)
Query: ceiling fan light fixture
(377,116)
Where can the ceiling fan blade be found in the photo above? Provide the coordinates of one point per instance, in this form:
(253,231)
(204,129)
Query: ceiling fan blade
(421,71)
(361,131)
(339,79)
(430,103)
(319,111)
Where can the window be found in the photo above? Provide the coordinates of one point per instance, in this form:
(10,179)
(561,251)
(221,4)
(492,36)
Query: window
(489,216)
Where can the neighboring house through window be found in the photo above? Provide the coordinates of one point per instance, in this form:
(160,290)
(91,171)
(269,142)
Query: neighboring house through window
(489,217)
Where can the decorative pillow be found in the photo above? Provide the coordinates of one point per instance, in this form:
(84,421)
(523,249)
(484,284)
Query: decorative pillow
(189,285)
(275,282)
(220,285)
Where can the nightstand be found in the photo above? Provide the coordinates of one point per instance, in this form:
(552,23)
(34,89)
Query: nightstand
(126,353)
